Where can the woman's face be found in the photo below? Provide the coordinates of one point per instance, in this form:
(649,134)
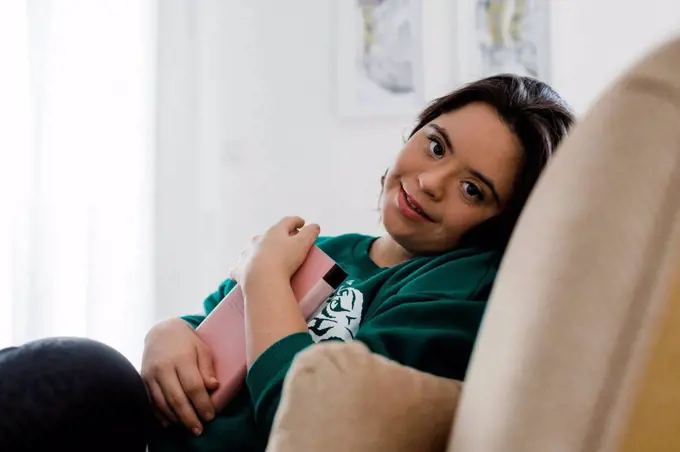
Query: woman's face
(451,175)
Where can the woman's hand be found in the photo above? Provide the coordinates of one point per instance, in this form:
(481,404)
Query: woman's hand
(178,371)
(278,253)
(264,273)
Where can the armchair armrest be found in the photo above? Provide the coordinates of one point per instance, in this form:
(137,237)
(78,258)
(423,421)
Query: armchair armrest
(340,396)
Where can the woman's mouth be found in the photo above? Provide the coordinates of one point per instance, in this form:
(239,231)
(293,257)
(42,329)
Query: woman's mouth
(410,208)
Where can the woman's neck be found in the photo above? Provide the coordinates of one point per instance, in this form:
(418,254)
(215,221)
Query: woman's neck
(386,252)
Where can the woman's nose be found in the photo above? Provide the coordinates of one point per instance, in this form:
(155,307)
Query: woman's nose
(433,183)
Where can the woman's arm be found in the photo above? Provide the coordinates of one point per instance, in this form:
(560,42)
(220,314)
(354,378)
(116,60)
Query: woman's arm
(272,313)
(434,335)
(264,272)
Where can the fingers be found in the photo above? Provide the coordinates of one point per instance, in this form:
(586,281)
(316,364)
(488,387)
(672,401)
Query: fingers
(308,234)
(160,417)
(179,403)
(291,224)
(234,273)
(194,388)
(206,368)
(159,401)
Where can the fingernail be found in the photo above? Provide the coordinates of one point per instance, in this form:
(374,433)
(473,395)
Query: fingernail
(197,431)
(213,380)
(208,416)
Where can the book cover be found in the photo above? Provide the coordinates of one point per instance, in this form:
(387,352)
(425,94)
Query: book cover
(223,330)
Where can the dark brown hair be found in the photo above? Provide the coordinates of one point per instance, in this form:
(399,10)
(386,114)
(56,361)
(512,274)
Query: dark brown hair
(537,116)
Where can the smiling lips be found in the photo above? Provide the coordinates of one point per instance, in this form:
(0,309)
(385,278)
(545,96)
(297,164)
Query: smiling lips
(410,208)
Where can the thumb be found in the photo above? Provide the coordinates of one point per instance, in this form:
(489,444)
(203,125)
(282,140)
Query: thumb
(206,368)
(308,234)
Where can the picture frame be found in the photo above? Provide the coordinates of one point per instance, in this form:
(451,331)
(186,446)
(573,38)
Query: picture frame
(504,36)
(378,68)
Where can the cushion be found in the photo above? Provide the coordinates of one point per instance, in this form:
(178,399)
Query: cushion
(341,397)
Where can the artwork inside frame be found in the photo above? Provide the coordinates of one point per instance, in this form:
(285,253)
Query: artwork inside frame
(379,62)
(509,36)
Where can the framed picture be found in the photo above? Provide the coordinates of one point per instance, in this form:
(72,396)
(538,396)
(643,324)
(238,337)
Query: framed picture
(506,36)
(379,67)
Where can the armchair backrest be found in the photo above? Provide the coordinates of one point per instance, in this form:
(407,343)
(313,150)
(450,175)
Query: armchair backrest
(579,350)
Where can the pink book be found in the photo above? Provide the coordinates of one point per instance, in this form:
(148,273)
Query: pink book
(224,329)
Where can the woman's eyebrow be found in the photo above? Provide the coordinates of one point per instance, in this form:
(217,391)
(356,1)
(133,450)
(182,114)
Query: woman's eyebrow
(441,131)
(488,182)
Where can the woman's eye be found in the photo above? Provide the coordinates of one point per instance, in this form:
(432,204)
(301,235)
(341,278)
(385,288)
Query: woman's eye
(436,148)
(472,191)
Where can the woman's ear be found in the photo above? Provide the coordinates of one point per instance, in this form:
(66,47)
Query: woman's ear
(382,187)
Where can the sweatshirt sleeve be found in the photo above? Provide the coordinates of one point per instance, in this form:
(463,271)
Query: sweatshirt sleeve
(265,377)
(210,302)
(429,332)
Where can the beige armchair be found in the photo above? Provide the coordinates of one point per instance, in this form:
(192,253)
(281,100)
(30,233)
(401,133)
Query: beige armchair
(579,350)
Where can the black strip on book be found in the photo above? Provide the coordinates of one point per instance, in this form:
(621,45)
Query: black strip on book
(335,276)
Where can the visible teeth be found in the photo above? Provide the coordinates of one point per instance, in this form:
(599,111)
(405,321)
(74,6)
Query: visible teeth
(408,201)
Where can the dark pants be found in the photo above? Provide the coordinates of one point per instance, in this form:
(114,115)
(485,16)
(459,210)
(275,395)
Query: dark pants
(70,394)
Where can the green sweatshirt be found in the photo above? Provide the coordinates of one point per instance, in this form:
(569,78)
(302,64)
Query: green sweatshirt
(423,313)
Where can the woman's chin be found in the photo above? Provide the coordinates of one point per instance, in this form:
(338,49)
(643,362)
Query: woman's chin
(412,241)
(417,240)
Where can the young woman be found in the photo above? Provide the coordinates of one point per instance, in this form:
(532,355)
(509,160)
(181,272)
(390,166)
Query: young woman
(416,295)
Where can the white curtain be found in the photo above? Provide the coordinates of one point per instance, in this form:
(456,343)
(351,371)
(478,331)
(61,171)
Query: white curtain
(76,170)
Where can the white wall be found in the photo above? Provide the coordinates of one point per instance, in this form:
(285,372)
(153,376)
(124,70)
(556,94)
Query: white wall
(247,132)
(594,40)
